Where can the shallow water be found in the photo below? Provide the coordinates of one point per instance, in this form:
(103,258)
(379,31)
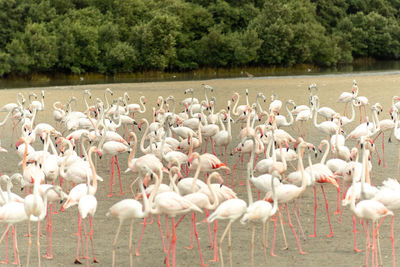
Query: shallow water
(322,251)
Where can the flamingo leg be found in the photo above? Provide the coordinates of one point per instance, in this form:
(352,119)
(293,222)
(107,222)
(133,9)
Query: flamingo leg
(77,261)
(327,212)
(337,198)
(241,170)
(234,168)
(220,242)
(230,247)
(212,146)
(209,228)
(191,232)
(392,241)
(253,233)
(283,231)
(130,244)
(16,251)
(141,237)
(86,243)
(1,239)
(368,245)
(161,233)
(91,239)
(298,220)
(114,244)
(225,153)
(215,242)
(264,243)
(294,232)
(198,241)
(119,174)
(355,235)
(273,239)
(315,213)
(29,242)
(112,175)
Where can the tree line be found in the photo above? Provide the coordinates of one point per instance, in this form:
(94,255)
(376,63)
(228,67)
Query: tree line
(122,36)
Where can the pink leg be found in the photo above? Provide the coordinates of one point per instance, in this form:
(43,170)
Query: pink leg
(91,239)
(209,228)
(119,174)
(233,172)
(112,175)
(225,153)
(16,256)
(241,171)
(273,239)
(191,232)
(86,245)
(77,261)
(327,212)
(167,227)
(141,237)
(337,198)
(315,213)
(355,235)
(212,146)
(6,232)
(198,241)
(173,241)
(392,241)
(205,150)
(294,232)
(383,149)
(368,245)
(161,233)
(215,259)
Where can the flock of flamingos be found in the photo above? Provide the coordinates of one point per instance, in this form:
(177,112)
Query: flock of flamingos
(177,147)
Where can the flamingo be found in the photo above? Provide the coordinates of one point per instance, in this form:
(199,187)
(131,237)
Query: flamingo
(238,110)
(87,204)
(224,137)
(275,105)
(347,97)
(35,206)
(321,174)
(130,209)
(203,201)
(172,204)
(113,148)
(259,211)
(289,192)
(11,212)
(189,100)
(231,210)
(373,210)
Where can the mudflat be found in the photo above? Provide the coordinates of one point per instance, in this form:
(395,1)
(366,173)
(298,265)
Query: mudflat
(321,250)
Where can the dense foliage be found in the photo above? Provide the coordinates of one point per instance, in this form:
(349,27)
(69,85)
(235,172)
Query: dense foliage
(113,36)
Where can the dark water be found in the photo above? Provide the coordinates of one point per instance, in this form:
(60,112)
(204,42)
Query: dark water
(39,80)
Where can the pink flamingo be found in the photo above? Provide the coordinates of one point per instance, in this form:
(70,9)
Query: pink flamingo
(113,148)
(321,174)
(259,211)
(231,210)
(87,204)
(172,204)
(289,192)
(130,209)
(203,201)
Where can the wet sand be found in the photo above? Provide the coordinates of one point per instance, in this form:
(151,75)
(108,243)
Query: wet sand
(321,250)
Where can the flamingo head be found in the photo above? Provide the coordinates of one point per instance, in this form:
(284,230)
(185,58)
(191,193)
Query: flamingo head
(99,153)
(234,96)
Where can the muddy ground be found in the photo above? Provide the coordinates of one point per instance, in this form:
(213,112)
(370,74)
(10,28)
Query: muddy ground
(321,250)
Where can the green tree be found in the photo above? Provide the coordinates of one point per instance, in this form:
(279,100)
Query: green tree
(41,45)
(155,41)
